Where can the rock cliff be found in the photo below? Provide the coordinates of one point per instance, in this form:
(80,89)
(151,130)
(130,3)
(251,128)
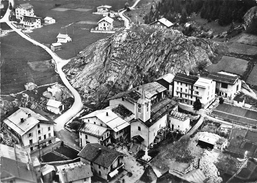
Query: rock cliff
(250,20)
(131,57)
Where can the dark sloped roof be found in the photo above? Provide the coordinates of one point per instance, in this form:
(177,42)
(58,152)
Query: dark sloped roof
(168,177)
(159,110)
(30,19)
(188,79)
(16,169)
(223,78)
(148,175)
(239,97)
(122,111)
(99,154)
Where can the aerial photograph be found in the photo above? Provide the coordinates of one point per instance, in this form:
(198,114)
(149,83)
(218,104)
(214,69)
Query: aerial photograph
(128,91)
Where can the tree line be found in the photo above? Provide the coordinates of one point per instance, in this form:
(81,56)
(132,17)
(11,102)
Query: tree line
(225,11)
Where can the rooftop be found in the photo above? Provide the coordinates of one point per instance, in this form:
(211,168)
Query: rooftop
(148,176)
(93,129)
(108,117)
(11,169)
(74,171)
(17,154)
(54,103)
(23,120)
(159,110)
(25,6)
(98,154)
(30,19)
(107,19)
(64,36)
(104,6)
(203,82)
(169,177)
(167,77)
(122,111)
(179,115)
(183,78)
(165,22)
(223,77)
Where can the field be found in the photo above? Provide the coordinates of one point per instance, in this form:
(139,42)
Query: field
(16,52)
(229,64)
(252,78)
(247,39)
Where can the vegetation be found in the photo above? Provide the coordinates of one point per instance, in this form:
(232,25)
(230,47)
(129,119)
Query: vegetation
(224,11)
(197,105)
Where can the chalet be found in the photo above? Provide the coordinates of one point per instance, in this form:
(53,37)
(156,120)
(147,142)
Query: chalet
(105,24)
(77,172)
(92,133)
(16,165)
(25,9)
(63,38)
(227,84)
(163,22)
(167,82)
(32,130)
(54,106)
(188,88)
(179,121)
(110,118)
(56,46)
(31,21)
(150,107)
(49,20)
(105,162)
(103,9)
(241,100)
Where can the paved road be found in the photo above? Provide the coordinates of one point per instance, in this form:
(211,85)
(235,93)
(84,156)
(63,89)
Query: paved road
(59,63)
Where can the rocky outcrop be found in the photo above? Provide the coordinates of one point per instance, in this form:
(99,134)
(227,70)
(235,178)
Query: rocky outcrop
(130,57)
(250,20)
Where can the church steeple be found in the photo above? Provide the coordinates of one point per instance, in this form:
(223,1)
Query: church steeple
(143,107)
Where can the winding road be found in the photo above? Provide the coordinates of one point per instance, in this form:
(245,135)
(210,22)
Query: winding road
(59,63)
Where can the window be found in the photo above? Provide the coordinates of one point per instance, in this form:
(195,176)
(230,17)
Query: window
(49,134)
(44,136)
(139,107)
(39,138)
(49,128)
(50,141)
(31,141)
(86,136)
(39,131)
(196,92)
(224,85)
(99,166)
(139,128)
(181,89)
(186,90)
(196,87)
(38,125)
(177,88)
(30,135)
(31,148)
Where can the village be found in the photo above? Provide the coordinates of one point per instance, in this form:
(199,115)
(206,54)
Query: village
(180,127)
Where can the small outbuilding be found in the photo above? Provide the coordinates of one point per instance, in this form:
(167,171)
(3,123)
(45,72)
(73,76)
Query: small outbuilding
(56,46)
(63,38)
(49,20)
(54,106)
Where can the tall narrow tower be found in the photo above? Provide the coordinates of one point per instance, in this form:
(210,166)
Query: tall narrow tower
(143,107)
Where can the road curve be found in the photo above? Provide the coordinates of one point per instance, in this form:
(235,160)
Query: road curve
(59,63)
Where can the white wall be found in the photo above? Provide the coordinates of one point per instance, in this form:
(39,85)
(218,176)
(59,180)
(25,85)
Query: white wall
(143,133)
(231,91)
(87,138)
(177,124)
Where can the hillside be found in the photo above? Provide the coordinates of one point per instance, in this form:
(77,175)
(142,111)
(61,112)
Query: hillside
(131,57)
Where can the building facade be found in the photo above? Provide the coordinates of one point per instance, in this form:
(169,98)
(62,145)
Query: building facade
(105,162)
(227,85)
(105,24)
(189,88)
(31,22)
(179,121)
(25,9)
(32,130)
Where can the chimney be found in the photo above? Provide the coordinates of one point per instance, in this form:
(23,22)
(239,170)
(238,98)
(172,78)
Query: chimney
(22,120)
(106,113)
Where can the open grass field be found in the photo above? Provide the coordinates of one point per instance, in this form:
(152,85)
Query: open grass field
(229,64)
(16,52)
(247,39)
(252,78)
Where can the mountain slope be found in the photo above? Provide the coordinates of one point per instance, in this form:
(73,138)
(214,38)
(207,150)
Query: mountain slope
(130,57)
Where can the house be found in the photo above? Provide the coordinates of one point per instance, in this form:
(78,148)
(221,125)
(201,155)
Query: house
(91,133)
(56,46)
(240,100)
(32,130)
(111,119)
(49,20)
(179,121)
(31,21)
(188,88)
(54,106)
(77,172)
(105,162)
(150,107)
(167,82)
(227,84)
(63,38)
(105,24)
(16,165)
(163,22)
(24,9)
(103,9)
